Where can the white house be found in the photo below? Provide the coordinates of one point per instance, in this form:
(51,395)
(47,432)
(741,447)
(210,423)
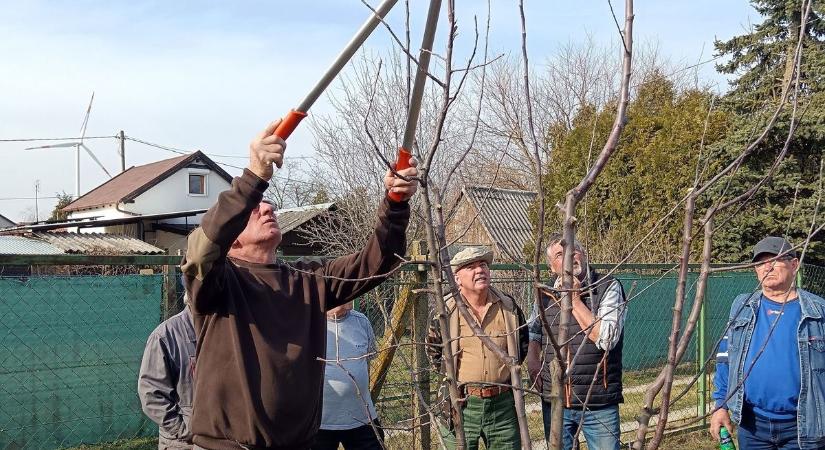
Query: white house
(158,203)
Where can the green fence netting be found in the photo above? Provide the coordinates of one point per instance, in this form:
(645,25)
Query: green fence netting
(70,354)
(70,349)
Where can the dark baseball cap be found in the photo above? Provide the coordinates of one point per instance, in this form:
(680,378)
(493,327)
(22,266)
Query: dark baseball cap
(773,245)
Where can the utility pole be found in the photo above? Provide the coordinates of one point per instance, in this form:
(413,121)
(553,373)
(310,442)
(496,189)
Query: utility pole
(122,151)
(36,194)
(77,171)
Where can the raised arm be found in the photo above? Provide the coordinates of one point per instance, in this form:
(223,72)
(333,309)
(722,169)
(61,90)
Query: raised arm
(209,244)
(353,275)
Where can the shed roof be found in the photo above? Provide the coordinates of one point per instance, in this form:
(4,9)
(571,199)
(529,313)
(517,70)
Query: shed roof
(4,220)
(19,245)
(504,214)
(97,243)
(291,218)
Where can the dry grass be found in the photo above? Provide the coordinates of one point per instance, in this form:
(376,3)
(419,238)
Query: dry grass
(150,443)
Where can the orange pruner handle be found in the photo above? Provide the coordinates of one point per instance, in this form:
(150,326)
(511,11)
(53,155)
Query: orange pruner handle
(289,123)
(402,163)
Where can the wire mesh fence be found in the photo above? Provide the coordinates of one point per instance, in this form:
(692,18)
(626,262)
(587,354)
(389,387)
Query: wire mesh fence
(72,337)
(650,292)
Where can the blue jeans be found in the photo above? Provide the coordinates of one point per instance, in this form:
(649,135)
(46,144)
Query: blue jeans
(600,427)
(763,433)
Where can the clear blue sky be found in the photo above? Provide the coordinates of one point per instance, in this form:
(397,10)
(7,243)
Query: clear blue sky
(209,75)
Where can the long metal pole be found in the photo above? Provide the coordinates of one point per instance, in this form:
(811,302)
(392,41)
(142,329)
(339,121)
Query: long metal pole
(703,380)
(294,117)
(421,74)
(417,95)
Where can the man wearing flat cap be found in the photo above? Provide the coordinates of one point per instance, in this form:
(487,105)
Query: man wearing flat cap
(770,368)
(488,411)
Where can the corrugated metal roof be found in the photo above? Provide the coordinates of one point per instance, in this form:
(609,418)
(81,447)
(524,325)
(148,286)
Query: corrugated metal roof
(5,222)
(19,245)
(97,243)
(504,214)
(291,218)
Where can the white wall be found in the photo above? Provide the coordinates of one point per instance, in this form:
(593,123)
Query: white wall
(104,212)
(172,194)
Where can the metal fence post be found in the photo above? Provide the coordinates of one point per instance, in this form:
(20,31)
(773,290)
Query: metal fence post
(420,310)
(701,398)
(170,295)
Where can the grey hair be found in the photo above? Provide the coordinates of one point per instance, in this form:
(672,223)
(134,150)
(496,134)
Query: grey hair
(555,238)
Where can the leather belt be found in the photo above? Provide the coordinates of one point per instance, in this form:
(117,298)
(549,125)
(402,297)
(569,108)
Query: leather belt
(486,391)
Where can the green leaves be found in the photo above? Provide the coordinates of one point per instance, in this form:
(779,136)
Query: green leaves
(651,171)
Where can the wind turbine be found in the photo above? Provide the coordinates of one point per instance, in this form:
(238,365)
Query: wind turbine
(77,145)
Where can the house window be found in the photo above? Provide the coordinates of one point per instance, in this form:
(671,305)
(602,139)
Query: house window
(197,184)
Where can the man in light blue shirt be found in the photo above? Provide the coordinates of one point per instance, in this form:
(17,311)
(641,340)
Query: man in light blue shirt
(348,416)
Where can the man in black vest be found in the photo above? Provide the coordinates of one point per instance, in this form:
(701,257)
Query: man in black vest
(593,390)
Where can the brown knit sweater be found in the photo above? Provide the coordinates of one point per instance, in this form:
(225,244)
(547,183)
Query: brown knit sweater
(262,327)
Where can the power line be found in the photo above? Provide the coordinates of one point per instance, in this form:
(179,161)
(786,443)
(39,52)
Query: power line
(247,156)
(150,144)
(183,152)
(58,139)
(130,138)
(162,147)
(27,198)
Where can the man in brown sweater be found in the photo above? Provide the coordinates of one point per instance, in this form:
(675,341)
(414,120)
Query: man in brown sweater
(261,323)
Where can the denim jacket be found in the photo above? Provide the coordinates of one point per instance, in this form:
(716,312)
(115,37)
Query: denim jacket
(733,349)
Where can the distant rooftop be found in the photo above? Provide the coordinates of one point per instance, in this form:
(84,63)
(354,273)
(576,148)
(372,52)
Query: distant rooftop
(98,243)
(45,243)
(19,245)
(137,180)
(291,218)
(504,214)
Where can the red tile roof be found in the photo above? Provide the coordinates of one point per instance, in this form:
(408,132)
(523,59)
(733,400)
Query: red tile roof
(136,180)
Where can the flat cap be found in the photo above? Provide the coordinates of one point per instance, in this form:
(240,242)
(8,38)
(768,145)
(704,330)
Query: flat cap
(471,255)
(773,245)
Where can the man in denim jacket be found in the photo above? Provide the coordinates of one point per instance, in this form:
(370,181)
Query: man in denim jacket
(770,369)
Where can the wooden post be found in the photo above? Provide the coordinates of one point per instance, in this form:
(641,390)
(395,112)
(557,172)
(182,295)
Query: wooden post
(420,322)
(170,305)
(392,334)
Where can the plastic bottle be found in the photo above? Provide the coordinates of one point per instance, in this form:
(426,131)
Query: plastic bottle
(725,440)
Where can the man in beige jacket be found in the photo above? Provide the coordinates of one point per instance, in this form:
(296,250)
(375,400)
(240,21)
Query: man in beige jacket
(488,411)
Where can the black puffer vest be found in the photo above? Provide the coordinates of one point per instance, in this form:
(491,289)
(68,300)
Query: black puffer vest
(607,388)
